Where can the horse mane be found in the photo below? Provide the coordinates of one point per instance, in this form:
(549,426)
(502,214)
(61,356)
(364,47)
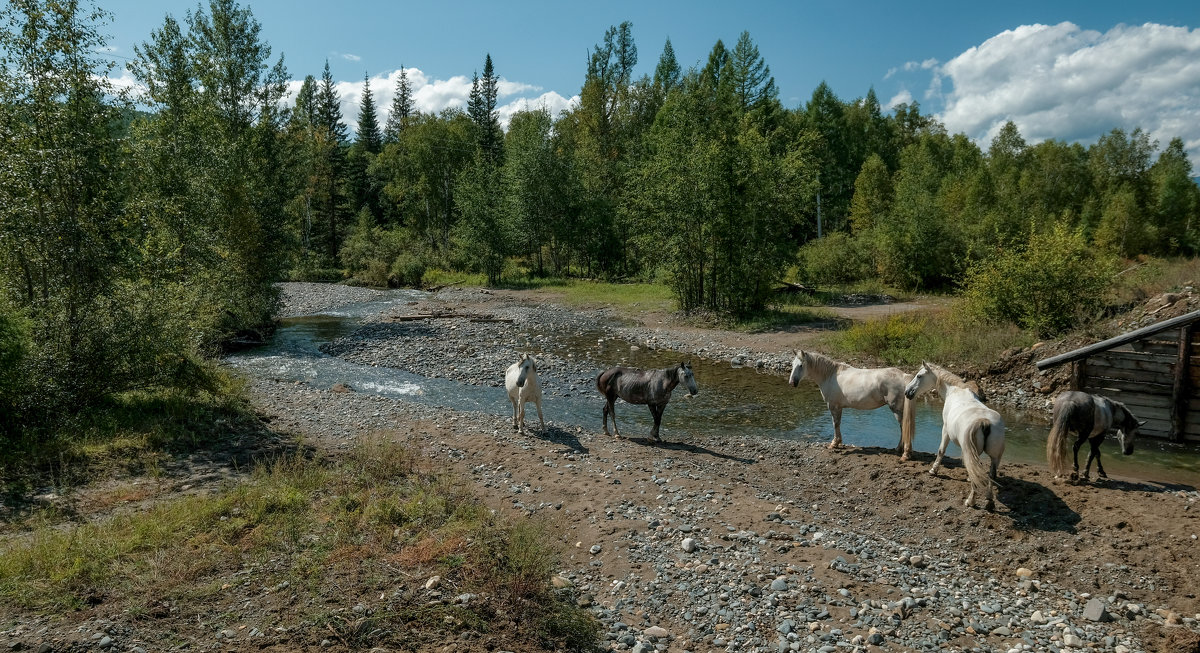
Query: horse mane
(821,364)
(950,378)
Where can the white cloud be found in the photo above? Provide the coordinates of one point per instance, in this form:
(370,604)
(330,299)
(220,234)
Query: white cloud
(433,95)
(903,97)
(1063,82)
(348,56)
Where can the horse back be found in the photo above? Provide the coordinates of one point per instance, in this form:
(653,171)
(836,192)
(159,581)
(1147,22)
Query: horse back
(606,380)
(1075,411)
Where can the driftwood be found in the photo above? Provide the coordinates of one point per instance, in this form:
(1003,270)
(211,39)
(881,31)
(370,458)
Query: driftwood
(443,315)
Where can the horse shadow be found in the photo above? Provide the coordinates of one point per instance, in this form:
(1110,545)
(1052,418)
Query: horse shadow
(1035,507)
(689,448)
(560,436)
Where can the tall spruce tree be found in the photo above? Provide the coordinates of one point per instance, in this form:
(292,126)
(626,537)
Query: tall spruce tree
(481,107)
(368,137)
(402,108)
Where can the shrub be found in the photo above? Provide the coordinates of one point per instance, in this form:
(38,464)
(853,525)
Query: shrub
(836,259)
(1047,287)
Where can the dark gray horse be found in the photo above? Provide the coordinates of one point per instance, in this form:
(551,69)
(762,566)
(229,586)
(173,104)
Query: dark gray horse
(1089,417)
(650,387)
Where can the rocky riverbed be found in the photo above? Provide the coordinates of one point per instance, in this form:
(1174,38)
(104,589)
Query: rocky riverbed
(774,545)
(729,543)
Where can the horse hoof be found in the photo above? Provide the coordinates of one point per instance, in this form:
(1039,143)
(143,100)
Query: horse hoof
(903,457)
(990,507)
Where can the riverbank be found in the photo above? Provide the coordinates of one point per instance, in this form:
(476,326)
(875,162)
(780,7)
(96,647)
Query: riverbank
(705,543)
(760,504)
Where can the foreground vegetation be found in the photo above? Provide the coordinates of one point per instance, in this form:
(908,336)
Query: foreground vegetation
(314,524)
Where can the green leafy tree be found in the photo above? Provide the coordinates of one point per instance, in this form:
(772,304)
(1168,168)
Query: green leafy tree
(1047,286)
(1175,200)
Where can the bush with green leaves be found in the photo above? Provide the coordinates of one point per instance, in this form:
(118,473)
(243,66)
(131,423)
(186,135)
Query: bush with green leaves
(836,259)
(1047,287)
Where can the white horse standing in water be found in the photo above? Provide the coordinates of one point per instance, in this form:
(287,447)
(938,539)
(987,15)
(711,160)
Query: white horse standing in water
(843,386)
(974,427)
(521,381)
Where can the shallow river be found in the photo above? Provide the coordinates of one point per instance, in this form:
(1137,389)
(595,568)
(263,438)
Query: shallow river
(733,402)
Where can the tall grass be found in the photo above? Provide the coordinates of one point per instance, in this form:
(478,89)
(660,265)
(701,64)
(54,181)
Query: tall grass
(325,527)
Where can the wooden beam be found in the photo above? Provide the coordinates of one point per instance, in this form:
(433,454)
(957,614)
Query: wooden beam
(1084,352)
(1179,391)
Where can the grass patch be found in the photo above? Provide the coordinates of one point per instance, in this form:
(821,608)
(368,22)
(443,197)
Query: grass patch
(938,336)
(368,528)
(135,432)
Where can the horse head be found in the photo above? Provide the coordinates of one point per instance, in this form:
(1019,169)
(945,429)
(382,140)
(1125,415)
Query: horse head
(923,381)
(685,376)
(526,363)
(1127,427)
(797,369)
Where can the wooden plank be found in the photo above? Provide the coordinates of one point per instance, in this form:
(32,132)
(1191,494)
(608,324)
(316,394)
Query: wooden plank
(1127,362)
(1166,349)
(1102,385)
(1105,345)
(1126,374)
(1157,413)
(1182,382)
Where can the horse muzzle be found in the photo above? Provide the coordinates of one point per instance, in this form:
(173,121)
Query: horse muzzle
(910,393)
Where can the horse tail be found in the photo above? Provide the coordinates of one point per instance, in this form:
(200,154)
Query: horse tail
(908,426)
(1056,443)
(977,471)
(604,380)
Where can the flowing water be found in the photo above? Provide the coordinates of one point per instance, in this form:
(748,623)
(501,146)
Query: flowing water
(734,402)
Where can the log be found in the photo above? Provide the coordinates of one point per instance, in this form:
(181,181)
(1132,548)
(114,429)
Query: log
(1104,345)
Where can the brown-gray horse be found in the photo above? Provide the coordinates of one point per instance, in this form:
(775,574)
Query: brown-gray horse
(650,387)
(1090,417)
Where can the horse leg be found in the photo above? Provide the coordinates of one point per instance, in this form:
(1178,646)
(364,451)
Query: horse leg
(612,408)
(1093,453)
(836,413)
(1078,446)
(514,419)
(656,411)
(937,460)
(607,405)
(538,402)
(520,414)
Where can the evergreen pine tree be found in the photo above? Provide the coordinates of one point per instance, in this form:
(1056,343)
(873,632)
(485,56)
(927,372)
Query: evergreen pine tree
(402,109)
(329,109)
(368,136)
(481,107)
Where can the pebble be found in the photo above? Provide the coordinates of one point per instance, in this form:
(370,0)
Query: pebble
(689,544)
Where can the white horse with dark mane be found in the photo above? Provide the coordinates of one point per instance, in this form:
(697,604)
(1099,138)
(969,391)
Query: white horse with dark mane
(974,427)
(521,381)
(1090,417)
(843,386)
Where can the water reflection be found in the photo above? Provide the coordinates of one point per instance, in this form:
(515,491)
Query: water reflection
(735,402)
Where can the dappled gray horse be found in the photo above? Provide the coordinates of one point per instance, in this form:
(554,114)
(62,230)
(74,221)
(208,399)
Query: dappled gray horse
(1089,417)
(650,387)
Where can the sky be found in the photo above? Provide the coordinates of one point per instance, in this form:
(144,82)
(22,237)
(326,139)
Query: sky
(1070,71)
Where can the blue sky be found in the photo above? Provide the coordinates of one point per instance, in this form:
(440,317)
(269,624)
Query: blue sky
(1065,70)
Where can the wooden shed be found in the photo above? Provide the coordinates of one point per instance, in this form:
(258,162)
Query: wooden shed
(1154,370)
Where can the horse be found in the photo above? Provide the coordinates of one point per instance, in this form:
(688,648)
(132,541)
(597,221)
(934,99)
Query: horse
(521,381)
(650,387)
(843,386)
(1090,417)
(974,427)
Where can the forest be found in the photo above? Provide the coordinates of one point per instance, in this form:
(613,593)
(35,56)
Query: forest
(142,232)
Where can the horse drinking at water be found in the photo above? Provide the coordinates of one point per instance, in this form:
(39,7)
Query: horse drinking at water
(974,427)
(650,387)
(1090,417)
(521,381)
(843,386)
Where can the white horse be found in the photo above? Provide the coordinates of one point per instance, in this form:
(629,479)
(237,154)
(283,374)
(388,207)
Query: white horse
(521,381)
(974,427)
(843,386)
